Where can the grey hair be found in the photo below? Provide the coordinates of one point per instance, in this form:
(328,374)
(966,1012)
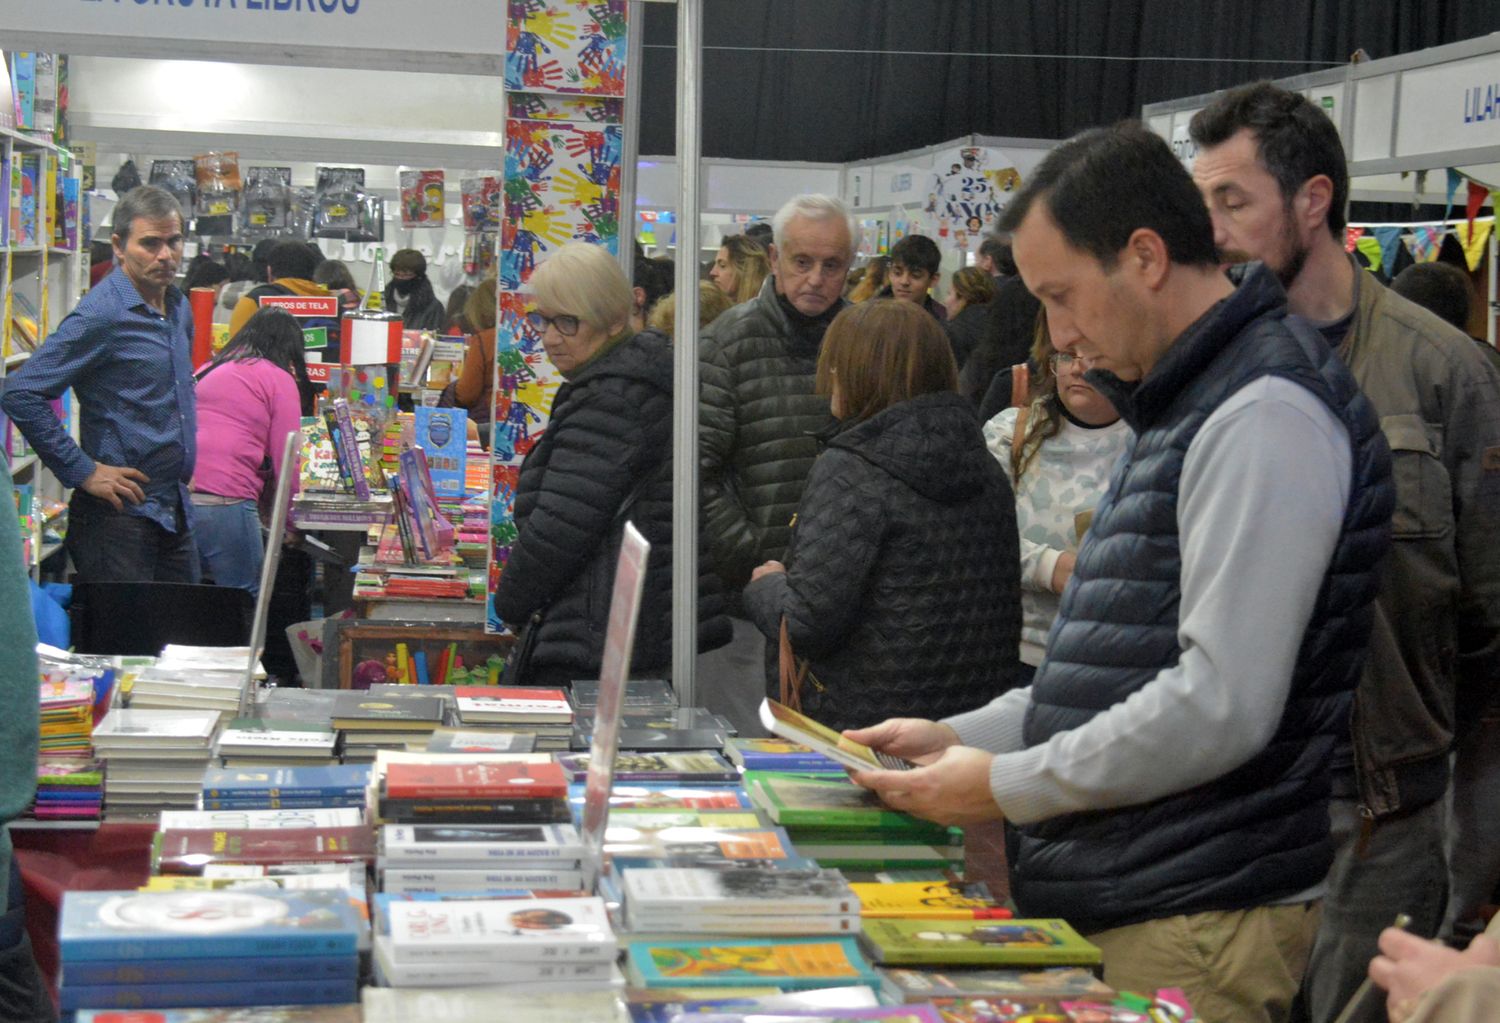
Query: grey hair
(814,206)
(147,201)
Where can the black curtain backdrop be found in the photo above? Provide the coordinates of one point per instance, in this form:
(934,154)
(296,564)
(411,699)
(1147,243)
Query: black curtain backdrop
(843,106)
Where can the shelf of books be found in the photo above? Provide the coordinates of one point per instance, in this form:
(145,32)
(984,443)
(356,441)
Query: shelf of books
(40,273)
(430,852)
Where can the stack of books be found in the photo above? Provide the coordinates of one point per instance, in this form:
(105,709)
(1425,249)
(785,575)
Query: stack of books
(386,722)
(544,714)
(198,689)
(785,963)
(522,944)
(641,696)
(189,842)
(68,789)
(258,742)
(477,858)
(285,788)
(154,759)
(67,716)
(133,950)
(839,824)
(444,792)
(686,728)
(731,902)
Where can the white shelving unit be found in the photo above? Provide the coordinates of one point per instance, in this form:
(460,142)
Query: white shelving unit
(47,278)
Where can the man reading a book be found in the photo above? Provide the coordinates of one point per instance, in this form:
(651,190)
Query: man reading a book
(1166,776)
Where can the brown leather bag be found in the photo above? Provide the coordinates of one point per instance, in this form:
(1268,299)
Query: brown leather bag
(794,672)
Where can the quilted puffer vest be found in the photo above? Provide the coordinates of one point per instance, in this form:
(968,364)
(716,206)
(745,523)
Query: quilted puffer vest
(1259,832)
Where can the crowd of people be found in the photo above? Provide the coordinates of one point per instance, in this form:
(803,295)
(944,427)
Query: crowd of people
(1168,539)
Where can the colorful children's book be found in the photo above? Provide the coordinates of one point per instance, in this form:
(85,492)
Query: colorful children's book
(442,434)
(929,900)
(204,925)
(978,943)
(787,963)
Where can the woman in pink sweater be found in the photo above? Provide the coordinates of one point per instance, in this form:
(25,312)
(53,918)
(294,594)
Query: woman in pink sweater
(248,401)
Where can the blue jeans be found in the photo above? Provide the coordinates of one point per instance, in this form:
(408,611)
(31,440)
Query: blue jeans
(229,545)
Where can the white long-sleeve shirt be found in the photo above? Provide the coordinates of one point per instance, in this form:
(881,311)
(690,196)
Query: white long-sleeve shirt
(1069,475)
(1261,501)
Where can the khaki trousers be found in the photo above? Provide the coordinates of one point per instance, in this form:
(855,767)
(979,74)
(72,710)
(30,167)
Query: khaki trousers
(1235,967)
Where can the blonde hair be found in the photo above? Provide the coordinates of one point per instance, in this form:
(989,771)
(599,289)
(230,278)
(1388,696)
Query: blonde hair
(883,352)
(873,281)
(711,302)
(751,266)
(584,280)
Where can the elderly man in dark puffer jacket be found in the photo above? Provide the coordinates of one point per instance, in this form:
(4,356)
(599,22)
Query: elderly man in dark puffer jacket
(758,420)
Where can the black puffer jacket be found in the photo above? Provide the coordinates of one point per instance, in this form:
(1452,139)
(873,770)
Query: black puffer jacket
(609,439)
(966,331)
(901,586)
(758,423)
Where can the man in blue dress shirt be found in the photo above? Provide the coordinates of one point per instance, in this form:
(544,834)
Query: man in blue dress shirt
(126,353)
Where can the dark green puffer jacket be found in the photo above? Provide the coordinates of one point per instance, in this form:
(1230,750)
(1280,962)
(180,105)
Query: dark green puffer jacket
(757,429)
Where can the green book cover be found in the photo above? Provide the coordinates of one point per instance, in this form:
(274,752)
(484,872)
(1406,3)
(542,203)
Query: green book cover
(978,943)
(826,802)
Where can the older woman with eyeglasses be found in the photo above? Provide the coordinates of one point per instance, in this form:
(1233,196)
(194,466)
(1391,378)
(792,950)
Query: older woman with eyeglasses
(1058,452)
(605,458)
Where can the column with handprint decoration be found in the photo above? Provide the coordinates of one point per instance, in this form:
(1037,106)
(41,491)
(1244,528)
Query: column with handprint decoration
(564,92)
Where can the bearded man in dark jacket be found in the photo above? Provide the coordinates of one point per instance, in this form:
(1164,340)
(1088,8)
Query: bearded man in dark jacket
(758,422)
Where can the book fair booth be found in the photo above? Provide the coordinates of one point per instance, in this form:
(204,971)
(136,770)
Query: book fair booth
(401,836)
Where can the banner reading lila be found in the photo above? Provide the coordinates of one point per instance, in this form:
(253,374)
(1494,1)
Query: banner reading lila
(564,84)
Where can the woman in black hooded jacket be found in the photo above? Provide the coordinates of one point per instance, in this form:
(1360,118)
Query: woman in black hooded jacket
(900,587)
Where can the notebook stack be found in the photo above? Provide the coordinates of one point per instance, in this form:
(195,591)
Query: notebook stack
(387,721)
(150,950)
(285,788)
(732,902)
(544,714)
(154,759)
(262,742)
(521,944)
(839,824)
(190,842)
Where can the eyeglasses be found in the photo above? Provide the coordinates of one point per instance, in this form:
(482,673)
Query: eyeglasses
(1063,360)
(566,325)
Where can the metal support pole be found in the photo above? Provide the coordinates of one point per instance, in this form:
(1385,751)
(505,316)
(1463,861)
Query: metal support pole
(685,354)
(1494,303)
(630,150)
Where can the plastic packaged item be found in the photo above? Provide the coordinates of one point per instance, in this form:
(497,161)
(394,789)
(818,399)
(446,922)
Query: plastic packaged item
(340,195)
(180,178)
(422,202)
(266,205)
(481,199)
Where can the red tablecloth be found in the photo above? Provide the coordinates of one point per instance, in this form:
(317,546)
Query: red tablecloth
(111,857)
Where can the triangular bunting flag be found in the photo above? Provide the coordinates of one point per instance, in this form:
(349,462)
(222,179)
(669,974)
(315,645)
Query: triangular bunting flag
(1425,242)
(1478,196)
(1370,247)
(1390,240)
(1454,180)
(1352,235)
(1474,236)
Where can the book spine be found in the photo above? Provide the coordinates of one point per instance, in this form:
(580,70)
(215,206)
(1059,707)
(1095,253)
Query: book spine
(450,949)
(135,996)
(534,795)
(479,852)
(350,447)
(204,971)
(292,803)
(92,949)
(406,881)
(287,792)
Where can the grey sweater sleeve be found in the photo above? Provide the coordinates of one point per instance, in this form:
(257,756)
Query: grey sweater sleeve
(1263,492)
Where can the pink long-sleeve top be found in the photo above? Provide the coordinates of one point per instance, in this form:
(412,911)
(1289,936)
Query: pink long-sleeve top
(245,410)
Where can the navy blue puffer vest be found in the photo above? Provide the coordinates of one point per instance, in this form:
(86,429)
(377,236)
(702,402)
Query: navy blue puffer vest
(1259,832)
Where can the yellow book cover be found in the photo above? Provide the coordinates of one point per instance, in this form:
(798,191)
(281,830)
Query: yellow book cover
(929,900)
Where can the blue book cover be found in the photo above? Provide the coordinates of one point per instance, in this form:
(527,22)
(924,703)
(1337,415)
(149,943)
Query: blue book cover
(286,782)
(443,436)
(206,971)
(787,963)
(205,924)
(183,996)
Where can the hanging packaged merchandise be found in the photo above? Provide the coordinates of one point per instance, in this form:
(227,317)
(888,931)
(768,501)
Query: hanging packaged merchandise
(371,220)
(266,204)
(218,178)
(303,217)
(421,198)
(479,253)
(179,178)
(481,198)
(340,193)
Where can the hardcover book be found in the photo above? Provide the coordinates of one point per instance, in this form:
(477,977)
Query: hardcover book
(187,852)
(686,767)
(504,930)
(513,704)
(156,729)
(735,891)
(286,738)
(205,925)
(492,781)
(286,782)
(358,711)
(978,943)
(786,963)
